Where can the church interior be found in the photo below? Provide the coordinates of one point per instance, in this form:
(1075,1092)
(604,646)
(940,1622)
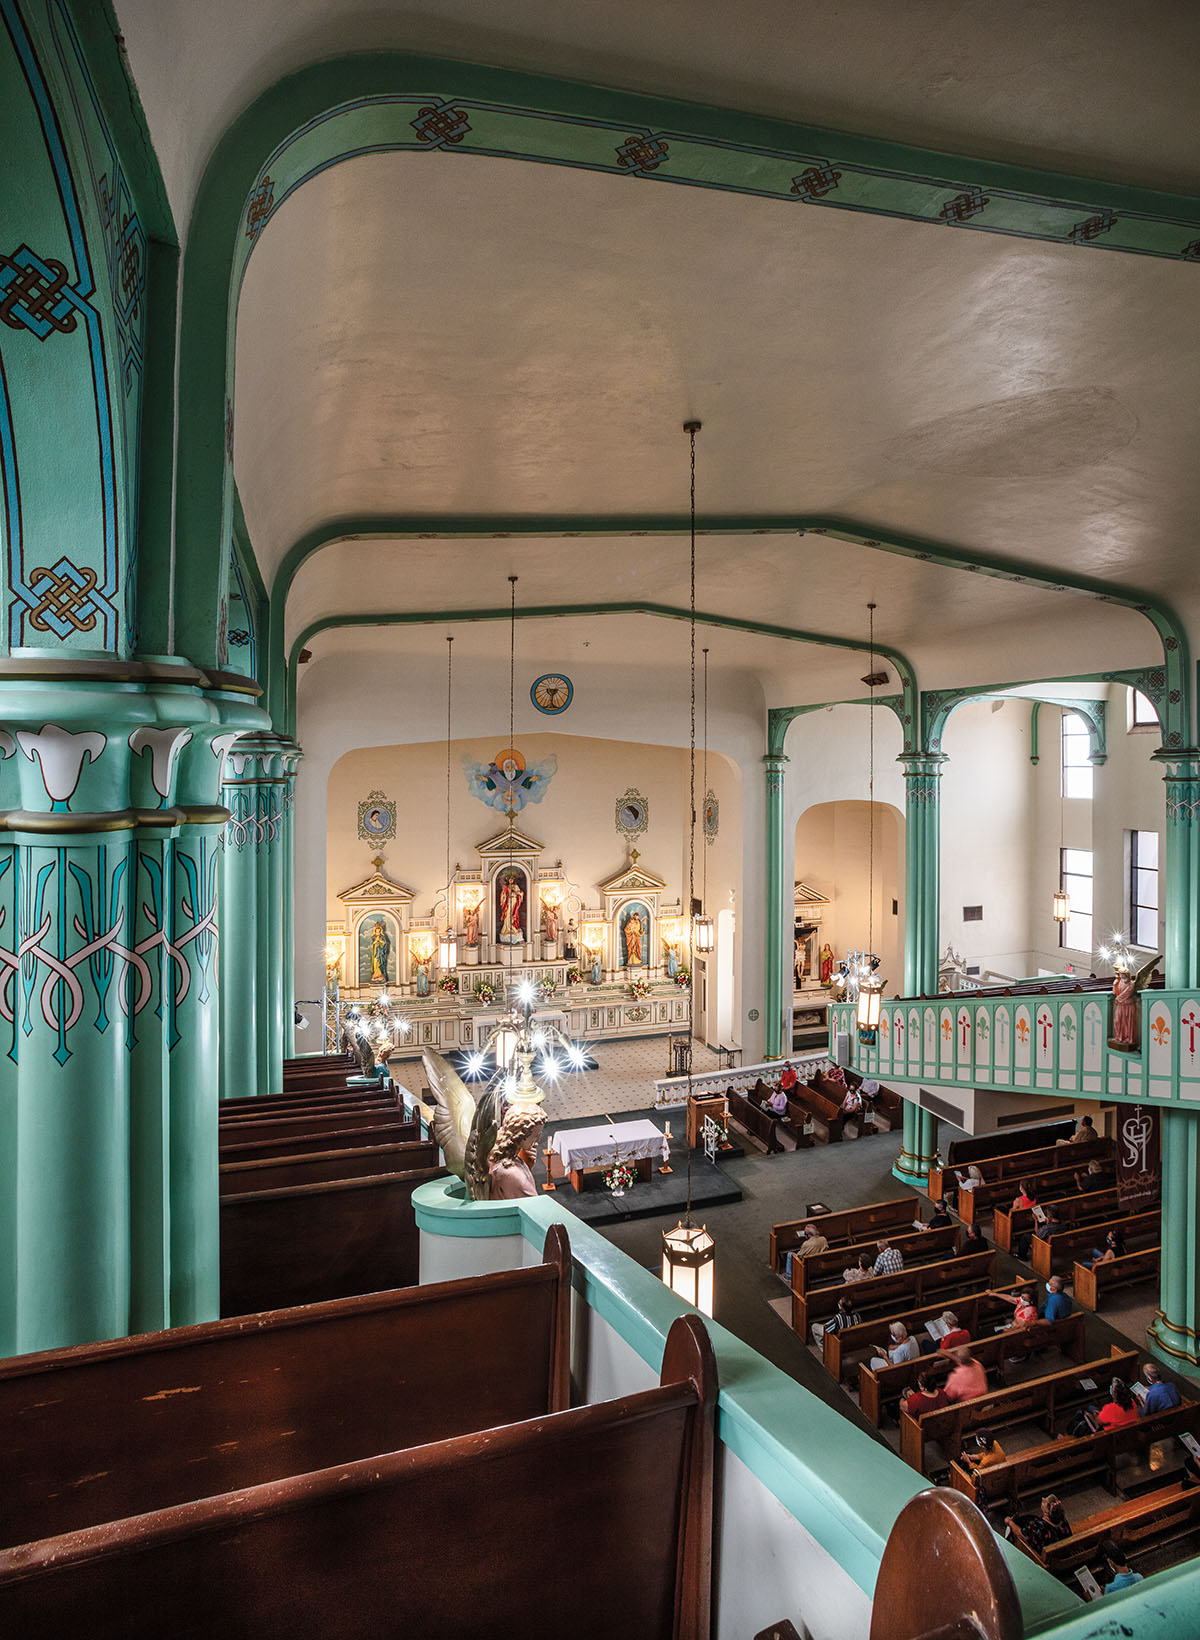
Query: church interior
(598,610)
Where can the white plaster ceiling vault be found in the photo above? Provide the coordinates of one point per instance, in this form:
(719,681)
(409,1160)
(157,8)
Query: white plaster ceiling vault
(1102,89)
(436,334)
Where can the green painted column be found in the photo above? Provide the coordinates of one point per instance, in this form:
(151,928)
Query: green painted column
(256,891)
(780,901)
(922,845)
(108,774)
(289,908)
(1175,1329)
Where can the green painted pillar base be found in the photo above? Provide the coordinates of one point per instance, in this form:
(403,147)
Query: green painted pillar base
(1175,1327)
(918,1146)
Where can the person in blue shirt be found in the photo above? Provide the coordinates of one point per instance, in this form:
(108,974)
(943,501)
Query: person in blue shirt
(1058,1303)
(1123,1574)
(1160,1397)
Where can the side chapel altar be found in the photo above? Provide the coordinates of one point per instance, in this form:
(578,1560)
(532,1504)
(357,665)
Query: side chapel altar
(612,960)
(586,1153)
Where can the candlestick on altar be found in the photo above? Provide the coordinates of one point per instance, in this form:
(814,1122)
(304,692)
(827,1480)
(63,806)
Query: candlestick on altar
(726,1141)
(547,1152)
(666,1168)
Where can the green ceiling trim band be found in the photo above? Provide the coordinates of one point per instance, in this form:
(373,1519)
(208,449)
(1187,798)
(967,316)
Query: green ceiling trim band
(367,102)
(1167,686)
(671,612)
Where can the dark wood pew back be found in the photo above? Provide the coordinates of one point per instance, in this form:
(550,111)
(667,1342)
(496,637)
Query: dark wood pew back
(1140,1525)
(1022,1164)
(390,1131)
(619,1495)
(975,1310)
(879,1388)
(101,1431)
(818,1104)
(1090,1284)
(1055,1181)
(269,1104)
(903,1291)
(1042,1398)
(1055,1252)
(757,1122)
(286,1126)
(319,1241)
(847,1225)
(918,1247)
(1010,1222)
(1058,1464)
(964,1151)
(315,1167)
(862,1121)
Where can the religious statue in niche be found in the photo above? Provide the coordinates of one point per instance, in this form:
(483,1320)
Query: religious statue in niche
(375,951)
(826,963)
(635,920)
(508,782)
(571,943)
(510,907)
(671,947)
(471,924)
(550,921)
(422,956)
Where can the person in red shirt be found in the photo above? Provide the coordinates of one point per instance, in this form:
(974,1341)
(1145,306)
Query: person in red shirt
(788,1079)
(968,1378)
(928,1395)
(957,1334)
(1120,1409)
(1024,1307)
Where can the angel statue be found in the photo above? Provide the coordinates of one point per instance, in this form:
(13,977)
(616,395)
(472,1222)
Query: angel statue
(509,1173)
(465,1131)
(357,1043)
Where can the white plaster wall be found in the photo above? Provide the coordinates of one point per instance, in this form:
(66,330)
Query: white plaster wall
(833,856)
(987,828)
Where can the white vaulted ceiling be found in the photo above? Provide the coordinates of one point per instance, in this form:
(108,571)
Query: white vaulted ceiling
(438,335)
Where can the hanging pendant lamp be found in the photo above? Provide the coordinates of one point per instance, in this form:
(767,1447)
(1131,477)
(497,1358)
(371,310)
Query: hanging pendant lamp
(705,929)
(870,986)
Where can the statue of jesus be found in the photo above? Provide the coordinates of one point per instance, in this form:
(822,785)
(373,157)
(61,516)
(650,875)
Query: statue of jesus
(550,921)
(633,941)
(512,896)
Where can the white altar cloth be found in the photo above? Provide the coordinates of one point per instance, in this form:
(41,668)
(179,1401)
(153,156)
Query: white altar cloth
(594,1146)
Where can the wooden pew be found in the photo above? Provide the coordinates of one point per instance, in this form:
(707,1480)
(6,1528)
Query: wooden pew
(970,1595)
(1008,1223)
(1056,1252)
(290,1126)
(314,1167)
(100,1431)
(270,1103)
(759,1123)
(620,1492)
(826,1110)
(1140,1525)
(982,1148)
(1089,1284)
(976,1312)
(905,1290)
(918,1247)
(1057,1465)
(310,1064)
(1042,1398)
(232,1128)
(880,1388)
(864,1121)
(318,1241)
(389,1132)
(845,1225)
(1055,1181)
(1021,1164)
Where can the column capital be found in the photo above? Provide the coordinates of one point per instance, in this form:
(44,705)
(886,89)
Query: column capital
(916,764)
(773,764)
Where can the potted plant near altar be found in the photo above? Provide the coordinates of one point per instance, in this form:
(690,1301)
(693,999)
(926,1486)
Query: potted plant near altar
(683,978)
(619,1178)
(573,976)
(485,992)
(638,988)
(449,984)
(546,988)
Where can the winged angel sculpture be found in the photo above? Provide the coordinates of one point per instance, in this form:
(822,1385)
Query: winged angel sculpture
(482,1142)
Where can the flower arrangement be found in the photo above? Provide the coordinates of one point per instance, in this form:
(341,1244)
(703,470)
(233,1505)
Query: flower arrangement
(546,988)
(573,976)
(449,983)
(620,1176)
(638,989)
(683,978)
(485,991)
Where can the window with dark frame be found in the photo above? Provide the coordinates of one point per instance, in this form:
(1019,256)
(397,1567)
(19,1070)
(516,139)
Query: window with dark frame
(1143,889)
(1076,757)
(1075,880)
(1142,714)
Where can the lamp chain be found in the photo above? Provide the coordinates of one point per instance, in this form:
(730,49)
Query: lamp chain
(512,685)
(449,688)
(871,794)
(704,799)
(691,428)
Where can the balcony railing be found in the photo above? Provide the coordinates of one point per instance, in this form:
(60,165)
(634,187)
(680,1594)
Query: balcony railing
(1059,1043)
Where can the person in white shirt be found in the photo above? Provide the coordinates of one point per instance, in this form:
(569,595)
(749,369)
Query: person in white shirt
(902,1348)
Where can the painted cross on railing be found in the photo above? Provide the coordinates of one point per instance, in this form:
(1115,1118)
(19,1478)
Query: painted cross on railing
(1191,1022)
(963,1026)
(1044,1021)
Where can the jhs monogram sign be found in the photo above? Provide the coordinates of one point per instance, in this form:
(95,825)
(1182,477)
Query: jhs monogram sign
(1139,1174)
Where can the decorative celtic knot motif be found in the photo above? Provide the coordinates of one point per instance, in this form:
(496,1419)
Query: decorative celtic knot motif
(258,209)
(1084,232)
(1191,253)
(964,206)
(65,599)
(36,295)
(816,182)
(239,637)
(640,155)
(439,124)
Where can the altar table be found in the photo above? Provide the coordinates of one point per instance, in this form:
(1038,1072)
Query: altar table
(586,1152)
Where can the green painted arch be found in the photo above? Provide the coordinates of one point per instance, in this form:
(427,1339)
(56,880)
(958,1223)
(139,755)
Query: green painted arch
(1169,686)
(669,612)
(781,718)
(338,109)
(938,706)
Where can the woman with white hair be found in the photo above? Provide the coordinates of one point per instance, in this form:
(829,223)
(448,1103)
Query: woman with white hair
(902,1347)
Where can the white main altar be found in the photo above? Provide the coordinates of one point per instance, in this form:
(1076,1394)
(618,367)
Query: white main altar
(609,961)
